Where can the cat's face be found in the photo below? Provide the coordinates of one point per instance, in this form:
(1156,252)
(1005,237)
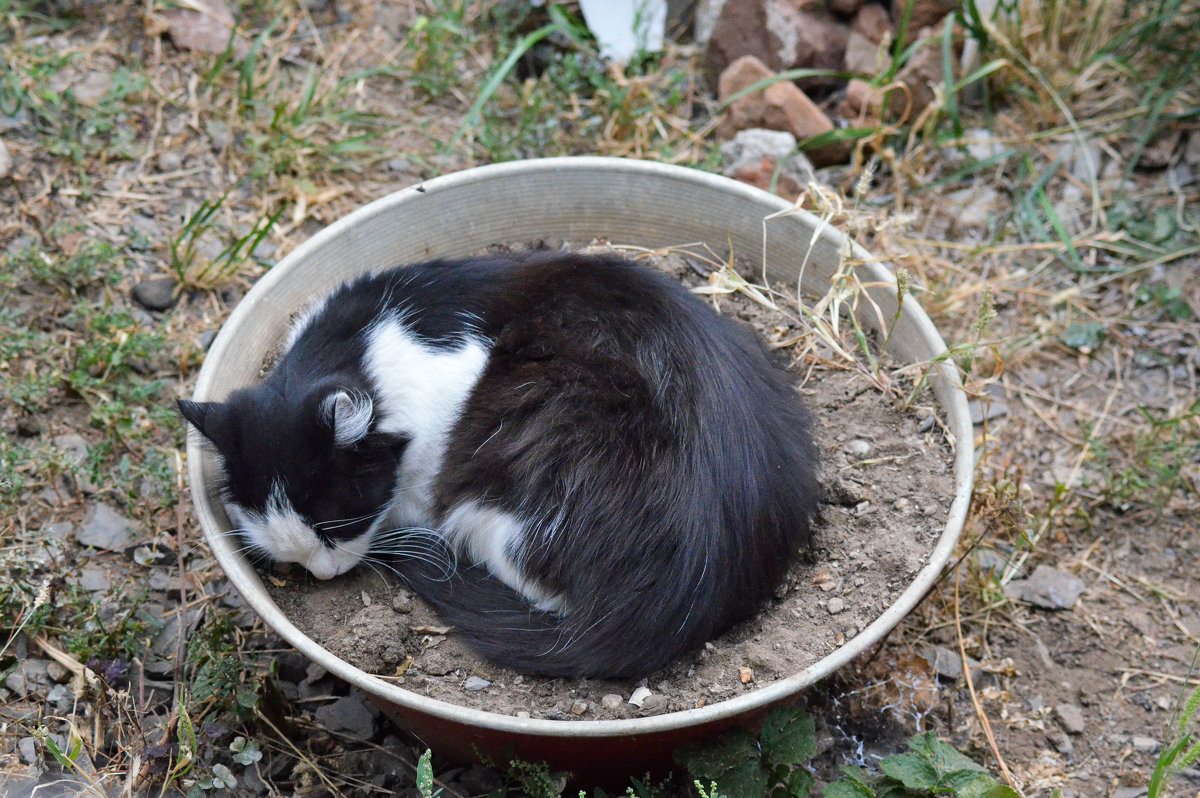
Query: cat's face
(306,482)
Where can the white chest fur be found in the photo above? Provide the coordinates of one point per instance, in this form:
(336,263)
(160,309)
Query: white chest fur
(421,390)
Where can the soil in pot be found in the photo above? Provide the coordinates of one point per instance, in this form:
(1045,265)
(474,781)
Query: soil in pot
(888,486)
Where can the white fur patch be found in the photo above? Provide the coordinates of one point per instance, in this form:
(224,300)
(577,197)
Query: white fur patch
(489,537)
(349,415)
(421,390)
(282,534)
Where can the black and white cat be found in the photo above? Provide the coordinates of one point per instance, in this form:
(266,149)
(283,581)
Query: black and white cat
(621,473)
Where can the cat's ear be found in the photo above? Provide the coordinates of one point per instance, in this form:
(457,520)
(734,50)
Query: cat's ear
(349,415)
(196,413)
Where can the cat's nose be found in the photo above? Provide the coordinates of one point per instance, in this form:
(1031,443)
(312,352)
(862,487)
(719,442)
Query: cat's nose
(324,569)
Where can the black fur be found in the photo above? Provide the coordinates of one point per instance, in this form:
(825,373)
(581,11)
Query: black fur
(662,463)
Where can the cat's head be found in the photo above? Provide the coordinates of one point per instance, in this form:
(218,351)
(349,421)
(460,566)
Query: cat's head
(305,481)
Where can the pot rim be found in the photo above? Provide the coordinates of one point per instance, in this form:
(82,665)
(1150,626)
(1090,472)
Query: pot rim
(248,584)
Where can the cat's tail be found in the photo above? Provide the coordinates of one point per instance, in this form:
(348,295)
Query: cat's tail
(503,627)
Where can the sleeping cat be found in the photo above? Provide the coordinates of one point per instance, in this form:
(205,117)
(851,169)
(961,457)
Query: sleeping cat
(620,473)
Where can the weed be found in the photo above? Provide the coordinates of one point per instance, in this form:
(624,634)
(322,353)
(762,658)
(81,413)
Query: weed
(1149,465)
(192,268)
(438,42)
(1180,750)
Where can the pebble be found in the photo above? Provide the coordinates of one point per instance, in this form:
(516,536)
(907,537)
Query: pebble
(1129,792)
(59,673)
(835,605)
(639,696)
(1047,588)
(169,161)
(349,715)
(1070,717)
(611,702)
(156,293)
(5,160)
(580,708)
(402,603)
(94,579)
(27,748)
(746,675)
(60,696)
(474,684)
(105,528)
(1143,744)
(858,447)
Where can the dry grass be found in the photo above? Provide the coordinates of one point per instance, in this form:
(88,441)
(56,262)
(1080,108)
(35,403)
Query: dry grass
(122,141)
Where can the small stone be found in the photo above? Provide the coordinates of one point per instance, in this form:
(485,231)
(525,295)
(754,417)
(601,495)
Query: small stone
(753,156)
(1047,588)
(5,160)
(205,26)
(402,603)
(73,446)
(1062,744)
(94,579)
(475,683)
(1129,792)
(872,21)
(366,599)
(1070,717)
(1158,153)
(1191,152)
(780,106)
(60,696)
(94,86)
(858,447)
(523,714)
(27,748)
(399,164)
(1143,744)
(29,427)
(156,293)
(639,696)
(348,715)
(654,704)
(59,673)
(579,708)
(611,702)
(105,528)
(746,675)
(169,161)
(835,605)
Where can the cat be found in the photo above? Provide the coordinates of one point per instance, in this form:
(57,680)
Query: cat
(621,472)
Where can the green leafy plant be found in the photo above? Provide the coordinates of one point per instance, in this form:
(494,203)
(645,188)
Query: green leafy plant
(1181,749)
(742,766)
(931,767)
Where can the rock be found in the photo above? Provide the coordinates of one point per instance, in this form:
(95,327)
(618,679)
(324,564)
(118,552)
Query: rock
(1191,152)
(1143,744)
(707,12)
(863,56)
(169,161)
(58,673)
(982,411)
(5,160)
(156,293)
(94,579)
(94,86)
(206,26)
(1129,792)
(927,14)
(780,106)
(858,447)
(752,156)
(745,675)
(73,446)
(654,704)
(105,528)
(873,22)
(27,749)
(60,697)
(1062,743)
(639,696)
(846,7)
(479,780)
(836,605)
(1158,153)
(29,676)
(1070,717)
(947,663)
(29,427)
(820,43)
(402,602)
(765,29)
(474,684)
(611,702)
(1047,588)
(579,708)
(348,715)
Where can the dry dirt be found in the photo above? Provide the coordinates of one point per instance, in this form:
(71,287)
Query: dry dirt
(887,487)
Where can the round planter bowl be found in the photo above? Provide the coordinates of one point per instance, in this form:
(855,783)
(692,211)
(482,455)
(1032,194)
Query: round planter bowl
(577,200)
